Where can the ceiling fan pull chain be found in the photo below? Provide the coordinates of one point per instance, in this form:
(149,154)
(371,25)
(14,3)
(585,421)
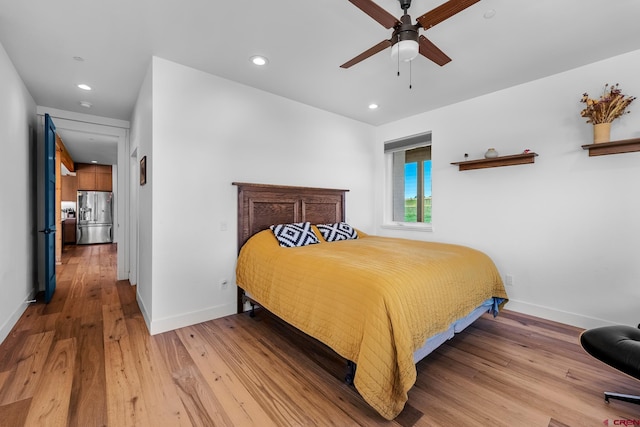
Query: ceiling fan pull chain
(398,58)
(410,74)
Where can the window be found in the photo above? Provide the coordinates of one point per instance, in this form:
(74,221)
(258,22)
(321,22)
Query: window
(410,164)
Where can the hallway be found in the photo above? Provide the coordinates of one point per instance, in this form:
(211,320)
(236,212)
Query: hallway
(56,350)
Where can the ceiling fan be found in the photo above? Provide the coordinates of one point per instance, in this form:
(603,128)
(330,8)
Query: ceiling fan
(405,42)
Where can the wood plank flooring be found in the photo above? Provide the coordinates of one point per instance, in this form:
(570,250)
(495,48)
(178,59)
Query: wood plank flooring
(86,359)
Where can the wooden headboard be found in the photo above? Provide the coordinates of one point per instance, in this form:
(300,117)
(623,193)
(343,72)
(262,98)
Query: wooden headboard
(262,205)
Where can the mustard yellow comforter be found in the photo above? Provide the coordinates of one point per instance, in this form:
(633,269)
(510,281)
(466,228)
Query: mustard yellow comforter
(374,300)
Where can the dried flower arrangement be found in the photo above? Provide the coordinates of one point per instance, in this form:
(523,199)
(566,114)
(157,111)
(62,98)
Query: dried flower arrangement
(611,105)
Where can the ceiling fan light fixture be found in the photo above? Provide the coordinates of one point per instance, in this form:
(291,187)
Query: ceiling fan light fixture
(405,50)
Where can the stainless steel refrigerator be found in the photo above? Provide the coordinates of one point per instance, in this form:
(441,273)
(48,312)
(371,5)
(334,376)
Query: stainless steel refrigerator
(94,222)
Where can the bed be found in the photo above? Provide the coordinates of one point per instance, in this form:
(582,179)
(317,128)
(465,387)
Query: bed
(381,303)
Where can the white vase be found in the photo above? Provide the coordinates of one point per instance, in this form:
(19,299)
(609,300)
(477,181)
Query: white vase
(491,153)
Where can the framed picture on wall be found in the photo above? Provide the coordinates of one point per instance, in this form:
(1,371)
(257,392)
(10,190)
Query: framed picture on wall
(143,170)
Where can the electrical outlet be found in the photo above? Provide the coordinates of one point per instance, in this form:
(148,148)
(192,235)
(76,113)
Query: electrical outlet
(223,283)
(508,280)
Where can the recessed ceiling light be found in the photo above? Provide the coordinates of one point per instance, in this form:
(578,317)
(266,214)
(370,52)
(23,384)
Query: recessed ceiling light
(373,106)
(259,60)
(94,161)
(86,104)
(489,14)
(84,86)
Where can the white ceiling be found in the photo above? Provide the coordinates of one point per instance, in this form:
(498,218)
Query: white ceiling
(88,147)
(305,41)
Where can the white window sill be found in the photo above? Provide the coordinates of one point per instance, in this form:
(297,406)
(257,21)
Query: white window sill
(413,226)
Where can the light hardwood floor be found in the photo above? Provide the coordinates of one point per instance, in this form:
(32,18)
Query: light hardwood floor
(86,359)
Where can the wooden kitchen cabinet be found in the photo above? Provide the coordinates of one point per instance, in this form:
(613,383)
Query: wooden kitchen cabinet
(69,231)
(94,177)
(69,188)
(103,178)
(86,175)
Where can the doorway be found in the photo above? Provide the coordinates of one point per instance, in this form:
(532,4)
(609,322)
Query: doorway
(94,127)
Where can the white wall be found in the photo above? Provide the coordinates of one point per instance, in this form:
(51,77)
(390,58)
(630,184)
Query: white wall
(207,133)
(141,218)
(566,227)
(17,192)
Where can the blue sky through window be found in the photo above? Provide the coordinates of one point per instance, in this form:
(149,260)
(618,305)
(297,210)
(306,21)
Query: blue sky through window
(411,182)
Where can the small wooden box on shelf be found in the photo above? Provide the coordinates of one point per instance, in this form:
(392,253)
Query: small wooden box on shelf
(516,159)
(613,147)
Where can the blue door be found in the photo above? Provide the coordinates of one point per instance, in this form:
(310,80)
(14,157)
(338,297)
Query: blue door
(49,208)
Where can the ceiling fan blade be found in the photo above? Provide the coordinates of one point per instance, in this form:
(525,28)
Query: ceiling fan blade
(367,53)
(444,11)
(386,19)
(432,52)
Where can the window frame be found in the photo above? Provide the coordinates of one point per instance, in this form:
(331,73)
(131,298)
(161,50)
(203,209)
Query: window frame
(403,144)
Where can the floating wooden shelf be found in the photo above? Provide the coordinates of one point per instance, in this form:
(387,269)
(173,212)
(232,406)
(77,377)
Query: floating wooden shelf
(613,147)
(516,159)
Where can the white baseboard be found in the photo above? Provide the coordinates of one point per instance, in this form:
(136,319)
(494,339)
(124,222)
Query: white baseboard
(180,321)
(568,318)
(11,321)
(144,312)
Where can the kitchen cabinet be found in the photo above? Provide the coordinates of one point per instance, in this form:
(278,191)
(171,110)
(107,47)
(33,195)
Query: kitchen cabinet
(104,180)
(94,177)
(69,188)
(86,176)
(69,231)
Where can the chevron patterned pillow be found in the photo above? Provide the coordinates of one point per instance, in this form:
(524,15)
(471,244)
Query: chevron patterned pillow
(294,234)
(337,231)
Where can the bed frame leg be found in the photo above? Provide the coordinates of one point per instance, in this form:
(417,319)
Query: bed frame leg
(351,372)
(252,313)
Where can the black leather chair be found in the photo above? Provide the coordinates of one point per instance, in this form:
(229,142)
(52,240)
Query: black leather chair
(619,347)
